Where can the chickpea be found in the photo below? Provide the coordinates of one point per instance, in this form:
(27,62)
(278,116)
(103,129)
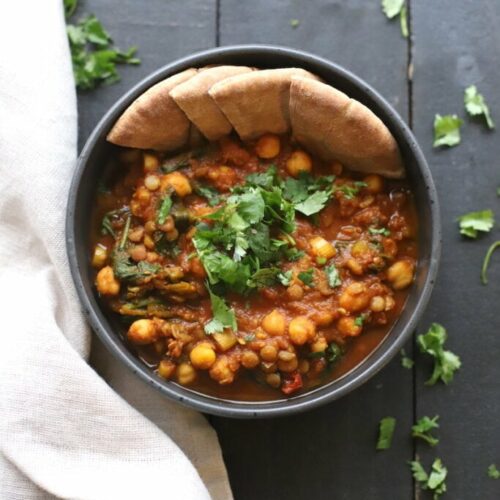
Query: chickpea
(360,248)
(152,182)
(166,369)
(172,235)
(150,227)
(149,242)
(319,345)
(286,355)
(377,304)
(389,303)
(136,234)
(138,252)
(176,181)
(288,366)
(150,162)
(375,183)
(322,248)
(400,274)
(274,323)
(299,161)
(221,372)
(143,331)
(203,356)
(152,257)
(354,266)
(302,330)
(269,353)
(274,380)
(168,225)
(323,318)
(295,292)
(249,359)
(106,282)
(100,255)
(186,374)
(354,297)
(143,195)
(347,326)
(268,146)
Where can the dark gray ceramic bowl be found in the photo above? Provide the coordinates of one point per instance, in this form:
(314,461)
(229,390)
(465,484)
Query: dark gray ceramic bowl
(89,169)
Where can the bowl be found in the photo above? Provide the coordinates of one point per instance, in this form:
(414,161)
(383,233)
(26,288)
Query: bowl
(89,169)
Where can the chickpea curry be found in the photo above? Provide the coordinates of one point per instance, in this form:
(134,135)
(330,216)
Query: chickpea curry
(252,270)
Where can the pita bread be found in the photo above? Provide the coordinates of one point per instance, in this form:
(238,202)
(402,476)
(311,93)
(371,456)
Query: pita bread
(192,97)
(153,120)
(256,103)
(333,126)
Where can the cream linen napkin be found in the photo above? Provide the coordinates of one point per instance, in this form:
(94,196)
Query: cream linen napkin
(63,431)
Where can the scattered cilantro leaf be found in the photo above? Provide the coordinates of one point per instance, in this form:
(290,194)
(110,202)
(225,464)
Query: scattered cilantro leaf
(333,352)
(285,278)
(423,427)
(392,8)
(314,203)
(493,472)
(164,210)
(70,7)
(211,194)
(403,21)
(125,269)
(476,105)
(307,277)
(418,472)
(446,363)
(386,431)
(435,481)
(223,316)
(473,222)
(294,23)
(447,130)
(383,231)
(332,276)
(486,261)
(406,362)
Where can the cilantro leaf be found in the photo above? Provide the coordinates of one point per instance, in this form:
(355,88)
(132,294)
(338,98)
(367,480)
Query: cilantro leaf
(446,363)
(307,277)
(359,321)
(392,8)
(223,316)
(476,105)
(447,130)
(251,206)
(263,277)
(419,472)
(70,7)
(406,362)
(332,276)
(435,481)
(211,194)
(350,191)
(125,269)
(383,231)
(486,261)
(493,472)
(473,222)
(314,203)
(285,278)
(423,426)
(294,23)
(164,210)
(386,430)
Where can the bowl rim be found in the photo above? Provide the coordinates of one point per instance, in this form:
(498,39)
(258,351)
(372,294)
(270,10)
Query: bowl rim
(362,372)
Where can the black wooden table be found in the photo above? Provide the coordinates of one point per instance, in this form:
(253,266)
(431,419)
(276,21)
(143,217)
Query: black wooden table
(330,452)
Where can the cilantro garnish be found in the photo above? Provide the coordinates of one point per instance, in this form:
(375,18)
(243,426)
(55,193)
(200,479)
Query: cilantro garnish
(211,194)
(285,278)
(386,430)
(435,481)
(350,191)
(486,261)
(307,277)
(406,362)
(473,222)
(332,276)
(125,269)
(476,105)
(359,321)
(94,60)
(393,8)
(294,23)
(383,231)
(223,316)
(447,130)
(445,362)
(493,472)
(164,210)
(423,427)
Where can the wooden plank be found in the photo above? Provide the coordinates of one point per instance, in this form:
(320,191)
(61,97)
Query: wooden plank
(329,452)
(455,46)
(163,31)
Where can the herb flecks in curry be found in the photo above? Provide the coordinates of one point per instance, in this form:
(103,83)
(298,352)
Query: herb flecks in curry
(244,269)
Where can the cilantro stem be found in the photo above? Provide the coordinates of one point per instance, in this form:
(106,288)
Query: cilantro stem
(486,261)
(125,233)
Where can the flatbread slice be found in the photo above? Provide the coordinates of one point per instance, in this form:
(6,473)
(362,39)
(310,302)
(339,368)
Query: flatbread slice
(256,103)
(192,97)
(333,126)
(153,120)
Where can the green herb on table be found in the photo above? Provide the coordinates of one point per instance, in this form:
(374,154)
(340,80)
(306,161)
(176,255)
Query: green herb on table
(406,362)
(332,276)
(476,105)
(473,222)
(486,261)
(223,316)
(307,277)
(435,481)
(493,472)
(93,57)
(294,23)
(446,363)
(423,427)
(393,8)
(386,430)
(447,130)
(164,210)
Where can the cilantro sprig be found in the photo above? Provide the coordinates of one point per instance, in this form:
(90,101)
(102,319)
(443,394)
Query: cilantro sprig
(473,222)
(434,481)
(476,105)
(493,472)
(223,316)
(394,8)
(92,54)
(447,130)
(386,431)
(422,428)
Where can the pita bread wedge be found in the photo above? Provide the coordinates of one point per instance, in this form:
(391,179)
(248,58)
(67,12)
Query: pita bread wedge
(153,120)
(257,102)
(333,126)
(192,97)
